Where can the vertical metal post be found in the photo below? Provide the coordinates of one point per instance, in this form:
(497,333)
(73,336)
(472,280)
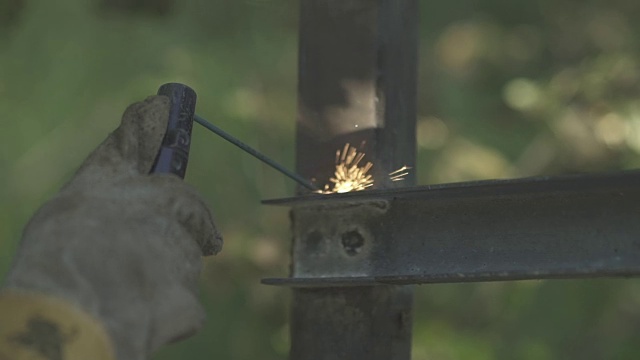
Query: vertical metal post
(357,85)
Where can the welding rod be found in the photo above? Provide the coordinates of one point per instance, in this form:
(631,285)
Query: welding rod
(258,155)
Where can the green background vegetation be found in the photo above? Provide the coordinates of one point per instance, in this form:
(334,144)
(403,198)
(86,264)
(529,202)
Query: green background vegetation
(507,89)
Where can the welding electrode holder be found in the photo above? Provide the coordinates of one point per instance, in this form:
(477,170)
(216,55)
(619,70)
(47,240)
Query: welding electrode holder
(173,155)
(174,151)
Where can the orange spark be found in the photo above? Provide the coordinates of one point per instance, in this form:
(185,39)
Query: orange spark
(350,175)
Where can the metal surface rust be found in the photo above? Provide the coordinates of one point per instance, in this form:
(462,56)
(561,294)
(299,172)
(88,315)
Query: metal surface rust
(565,227)
(356,85)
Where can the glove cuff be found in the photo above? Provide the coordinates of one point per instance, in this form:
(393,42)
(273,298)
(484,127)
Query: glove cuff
(35,325)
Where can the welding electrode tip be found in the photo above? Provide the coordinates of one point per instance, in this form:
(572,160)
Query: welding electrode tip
(258,155)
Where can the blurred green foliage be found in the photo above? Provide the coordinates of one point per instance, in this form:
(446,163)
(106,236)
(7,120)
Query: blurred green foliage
(507,88)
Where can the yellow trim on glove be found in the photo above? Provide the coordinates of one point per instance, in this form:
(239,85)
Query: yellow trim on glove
(39,327)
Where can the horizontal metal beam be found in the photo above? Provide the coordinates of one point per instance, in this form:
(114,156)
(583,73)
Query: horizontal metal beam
(562,227)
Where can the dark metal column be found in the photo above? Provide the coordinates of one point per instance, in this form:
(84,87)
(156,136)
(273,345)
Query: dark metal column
(357,85)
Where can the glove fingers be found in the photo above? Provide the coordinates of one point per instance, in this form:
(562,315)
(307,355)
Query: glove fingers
(196,218)
(177,315)
(131,149)
(188,208)
(167,196)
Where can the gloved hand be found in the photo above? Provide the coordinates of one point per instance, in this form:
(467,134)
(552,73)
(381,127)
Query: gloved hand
(121,244)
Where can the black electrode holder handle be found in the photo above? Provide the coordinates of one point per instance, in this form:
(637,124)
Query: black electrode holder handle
(173,155)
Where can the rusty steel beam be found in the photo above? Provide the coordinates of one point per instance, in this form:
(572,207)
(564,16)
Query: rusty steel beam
(561,227)
(357,85)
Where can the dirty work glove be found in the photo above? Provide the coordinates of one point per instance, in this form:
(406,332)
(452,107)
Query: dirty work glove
(120,244)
